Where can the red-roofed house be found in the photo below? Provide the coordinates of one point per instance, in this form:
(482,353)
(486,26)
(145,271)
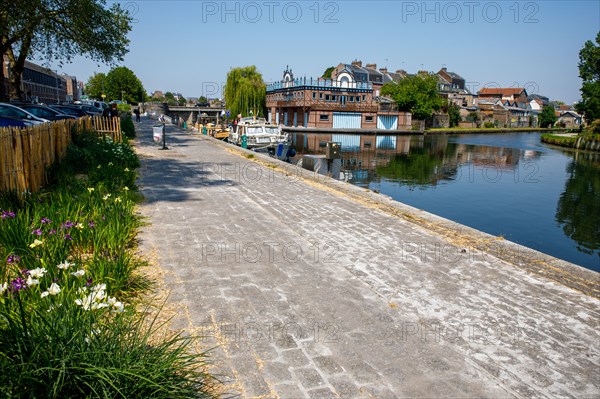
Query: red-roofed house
(518,95)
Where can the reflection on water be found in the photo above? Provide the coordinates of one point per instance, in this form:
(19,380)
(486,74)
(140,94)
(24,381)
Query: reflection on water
(504,184)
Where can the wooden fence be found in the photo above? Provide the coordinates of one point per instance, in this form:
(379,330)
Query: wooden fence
(26,153)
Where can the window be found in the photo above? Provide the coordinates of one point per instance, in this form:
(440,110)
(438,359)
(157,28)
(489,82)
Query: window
(369,118)
(351,99)
(327,97)
(333,98)
(357,99)
(364,98)
(314,95)
(324,117)
(320,96)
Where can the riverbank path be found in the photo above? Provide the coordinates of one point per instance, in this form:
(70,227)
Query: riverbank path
(305,291)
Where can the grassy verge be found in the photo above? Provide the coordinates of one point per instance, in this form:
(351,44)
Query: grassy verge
(70,286)
(570,142)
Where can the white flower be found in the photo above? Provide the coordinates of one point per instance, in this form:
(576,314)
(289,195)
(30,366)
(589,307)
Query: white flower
(54,289)
(45,294)
(126,188)
(79,273)
(107,196)
(38,272)
(118,307)
(3,287)
(81,290)
(126,170)
(32,281)
(118,199)
(65,265)
(36,243)
(90,189)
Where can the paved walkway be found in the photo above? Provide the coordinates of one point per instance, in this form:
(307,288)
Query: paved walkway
(308,293)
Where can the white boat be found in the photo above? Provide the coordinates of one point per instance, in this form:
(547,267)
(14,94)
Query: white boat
(259,133)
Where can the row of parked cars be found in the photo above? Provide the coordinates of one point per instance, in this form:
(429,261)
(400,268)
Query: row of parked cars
(21,114)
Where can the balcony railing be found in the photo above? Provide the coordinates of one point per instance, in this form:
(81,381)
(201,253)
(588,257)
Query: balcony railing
(319,83)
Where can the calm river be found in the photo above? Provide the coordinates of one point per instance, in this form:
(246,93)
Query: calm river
(512,185)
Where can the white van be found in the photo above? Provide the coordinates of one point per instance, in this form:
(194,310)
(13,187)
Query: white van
(95,103)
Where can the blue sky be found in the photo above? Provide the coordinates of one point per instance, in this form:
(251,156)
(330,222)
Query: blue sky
(189,46)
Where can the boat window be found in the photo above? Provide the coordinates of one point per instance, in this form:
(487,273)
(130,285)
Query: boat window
(271,130)
(254,129)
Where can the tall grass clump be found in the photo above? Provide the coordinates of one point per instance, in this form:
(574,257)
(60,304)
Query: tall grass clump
(69,289)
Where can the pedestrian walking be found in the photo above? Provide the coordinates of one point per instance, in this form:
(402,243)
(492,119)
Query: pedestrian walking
(137,114)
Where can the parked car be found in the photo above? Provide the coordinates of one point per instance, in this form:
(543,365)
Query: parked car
(70,110)
(6,121)
(90,109)
(94,103)
(12,111)
(46,112)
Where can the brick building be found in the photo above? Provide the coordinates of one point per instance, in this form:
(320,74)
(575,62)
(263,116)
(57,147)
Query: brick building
(350,99)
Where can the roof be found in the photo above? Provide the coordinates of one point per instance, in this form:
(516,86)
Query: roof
(501,91)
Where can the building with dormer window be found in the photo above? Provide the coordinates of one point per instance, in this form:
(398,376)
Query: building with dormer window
(349,100)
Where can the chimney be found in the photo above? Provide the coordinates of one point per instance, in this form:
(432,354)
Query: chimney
(445,69)
(401,72)
(383,70)
(372,66)
(357,63)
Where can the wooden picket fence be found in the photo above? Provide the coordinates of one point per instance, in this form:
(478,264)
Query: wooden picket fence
(26,153)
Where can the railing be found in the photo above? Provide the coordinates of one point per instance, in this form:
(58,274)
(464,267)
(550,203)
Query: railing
(319,83)
(26,153)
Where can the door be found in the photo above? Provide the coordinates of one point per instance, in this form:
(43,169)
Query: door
(347,120)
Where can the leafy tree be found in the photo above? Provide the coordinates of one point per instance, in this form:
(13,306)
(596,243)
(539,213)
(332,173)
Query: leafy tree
(454,114)
(202,99)
(327,73)
(547,117)
(417,94)
(589,72)
(245,91)
(474,117)
(121,83)
(170,98)
(59,30)
(95,85)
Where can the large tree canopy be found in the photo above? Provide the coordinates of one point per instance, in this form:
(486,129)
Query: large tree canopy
(121,83)
(589,72)
(417,94)
(245,91)
(95,86)
(60,30)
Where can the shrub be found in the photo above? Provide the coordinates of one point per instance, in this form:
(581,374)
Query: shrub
(127,126)
(488,125)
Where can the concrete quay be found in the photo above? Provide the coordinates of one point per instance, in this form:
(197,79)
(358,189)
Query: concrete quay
(310,288)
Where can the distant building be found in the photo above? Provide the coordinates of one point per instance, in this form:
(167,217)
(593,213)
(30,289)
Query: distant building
(40,84)
(451,86)
(518,95)
(158,94)
(350,99)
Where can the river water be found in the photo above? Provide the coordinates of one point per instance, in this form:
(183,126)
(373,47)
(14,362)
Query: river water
(509,185)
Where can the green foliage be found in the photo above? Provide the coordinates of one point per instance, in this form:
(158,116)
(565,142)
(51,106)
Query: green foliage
(127,126)
(489,125)
(60,30)
(245,91)
(417,94)
(548,117)
(122,83)
(474,117)
(454,114)
(594,127)
(202,99)
(68,321)
(327,73)
(589,72)
(563,141)
(94,87)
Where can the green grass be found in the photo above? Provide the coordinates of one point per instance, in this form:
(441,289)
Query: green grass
(70,286)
